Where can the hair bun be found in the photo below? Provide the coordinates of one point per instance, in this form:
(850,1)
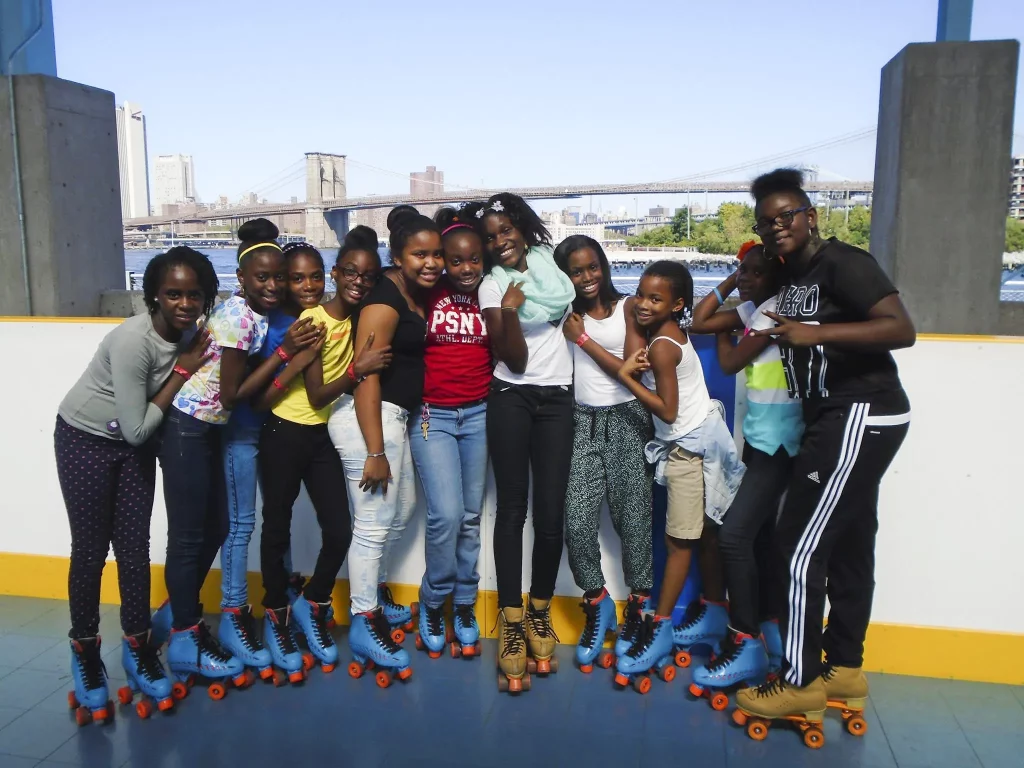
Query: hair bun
(258,230)
(362,238)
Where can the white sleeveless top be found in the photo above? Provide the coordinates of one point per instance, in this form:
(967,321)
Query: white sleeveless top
(593,386)
(694,400)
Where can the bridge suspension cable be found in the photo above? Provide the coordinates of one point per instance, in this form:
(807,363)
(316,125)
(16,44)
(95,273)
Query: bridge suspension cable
(262,187)
(406,176)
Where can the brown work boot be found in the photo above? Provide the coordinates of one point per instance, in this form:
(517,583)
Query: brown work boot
(511,643)
(778,699)
(846,684)
(540,635)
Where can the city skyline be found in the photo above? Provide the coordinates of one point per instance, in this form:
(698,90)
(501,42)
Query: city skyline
(173,181)
(628,100)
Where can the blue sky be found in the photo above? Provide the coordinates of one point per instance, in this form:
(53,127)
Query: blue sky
(530,93)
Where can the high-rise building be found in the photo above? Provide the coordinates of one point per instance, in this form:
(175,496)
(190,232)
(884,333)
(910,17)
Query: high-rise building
(174,181)
(132,161)
(426,183)
(1017,188)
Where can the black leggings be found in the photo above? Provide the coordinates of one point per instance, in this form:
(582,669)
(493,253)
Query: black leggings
(745,540)
(529,427)
(108,488)
(291,454)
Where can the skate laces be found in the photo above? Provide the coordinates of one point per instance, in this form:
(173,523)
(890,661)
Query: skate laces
(590,627)
(282,633)
(318,612)
(540,621)
(243,621)
(147,659)
(632,617)
(771,687)
(388,600)
(208,644)
(730,650)
(90,665)
(694,613)
(464,616)
(435,617)
(513,638)
(381,631)
(644,638)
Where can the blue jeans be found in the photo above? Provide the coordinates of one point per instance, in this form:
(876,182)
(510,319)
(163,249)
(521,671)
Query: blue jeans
(241,446)
(451,462)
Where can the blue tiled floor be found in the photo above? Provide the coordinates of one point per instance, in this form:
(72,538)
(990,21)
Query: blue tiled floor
(451,715)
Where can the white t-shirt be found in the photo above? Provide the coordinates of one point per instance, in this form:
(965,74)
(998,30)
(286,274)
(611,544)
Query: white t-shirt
(549,362)
(694,400)
(591,385)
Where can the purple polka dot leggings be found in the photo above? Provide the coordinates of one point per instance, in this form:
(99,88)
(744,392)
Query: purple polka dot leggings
(108,489)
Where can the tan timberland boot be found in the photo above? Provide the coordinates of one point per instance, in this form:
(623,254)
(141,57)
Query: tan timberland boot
(847,685)
(778,699)
(511,649)
(540,635)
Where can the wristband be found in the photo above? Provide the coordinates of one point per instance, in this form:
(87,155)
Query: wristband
(181,372)
(282,354)
(509,309)
(718,295)
(278,384)
(375,455)
(583,339)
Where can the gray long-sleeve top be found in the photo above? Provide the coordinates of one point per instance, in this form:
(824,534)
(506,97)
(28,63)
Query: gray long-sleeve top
(111,399)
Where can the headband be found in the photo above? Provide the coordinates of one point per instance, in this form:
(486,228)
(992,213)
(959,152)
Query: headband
(497,207)
(258,245)
(745,248)
(456,225)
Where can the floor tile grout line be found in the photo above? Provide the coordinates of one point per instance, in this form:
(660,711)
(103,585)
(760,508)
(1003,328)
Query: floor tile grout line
(967,737)
(885,735)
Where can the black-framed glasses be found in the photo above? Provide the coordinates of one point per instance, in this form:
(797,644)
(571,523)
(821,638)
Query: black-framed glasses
(366,278)
(784,219)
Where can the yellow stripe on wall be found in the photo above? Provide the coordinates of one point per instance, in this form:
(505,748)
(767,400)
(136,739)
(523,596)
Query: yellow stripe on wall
(891,648)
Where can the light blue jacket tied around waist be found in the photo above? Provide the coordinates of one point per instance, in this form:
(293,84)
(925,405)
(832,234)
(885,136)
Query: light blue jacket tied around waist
(723,468)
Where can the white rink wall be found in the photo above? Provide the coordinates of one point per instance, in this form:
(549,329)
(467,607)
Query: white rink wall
(951,516)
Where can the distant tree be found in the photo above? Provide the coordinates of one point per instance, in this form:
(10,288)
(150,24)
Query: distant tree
(1014,236)
(658,237)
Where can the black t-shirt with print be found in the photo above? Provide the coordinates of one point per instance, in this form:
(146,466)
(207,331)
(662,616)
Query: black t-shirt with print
(840,285)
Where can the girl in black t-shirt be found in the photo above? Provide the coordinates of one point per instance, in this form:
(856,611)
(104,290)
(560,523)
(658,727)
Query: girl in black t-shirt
(838,318)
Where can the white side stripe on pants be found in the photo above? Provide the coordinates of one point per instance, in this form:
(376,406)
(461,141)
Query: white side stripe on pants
(852,437)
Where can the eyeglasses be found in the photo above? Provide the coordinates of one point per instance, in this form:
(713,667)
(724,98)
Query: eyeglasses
(784,219)
(366,278)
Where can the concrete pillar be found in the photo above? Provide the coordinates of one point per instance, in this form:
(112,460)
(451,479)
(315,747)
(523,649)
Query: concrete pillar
(942,171)
(67,141)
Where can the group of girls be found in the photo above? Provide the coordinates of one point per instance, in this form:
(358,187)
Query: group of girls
(457,353)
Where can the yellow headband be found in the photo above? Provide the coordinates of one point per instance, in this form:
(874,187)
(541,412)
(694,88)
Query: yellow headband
(254,247)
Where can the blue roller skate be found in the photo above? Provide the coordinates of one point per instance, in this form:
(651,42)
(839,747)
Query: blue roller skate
(310,620)
(773,644)
(163,619)
(467,632)
(371,643)
(89,699)
(632,618)
(742,661)
(280,640)
(432,633)
(296,583)
(237,633)
(704,625)
(651,651)
(195,651)
(145,675)
(399,616)
(599,614)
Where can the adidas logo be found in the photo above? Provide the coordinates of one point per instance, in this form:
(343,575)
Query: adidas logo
(814,477)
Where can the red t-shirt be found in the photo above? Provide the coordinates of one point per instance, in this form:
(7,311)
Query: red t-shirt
(458,352)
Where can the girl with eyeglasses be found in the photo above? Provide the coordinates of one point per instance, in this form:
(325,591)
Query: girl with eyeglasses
(838,317)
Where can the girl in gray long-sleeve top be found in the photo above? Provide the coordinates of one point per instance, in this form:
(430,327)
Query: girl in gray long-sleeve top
(107,469)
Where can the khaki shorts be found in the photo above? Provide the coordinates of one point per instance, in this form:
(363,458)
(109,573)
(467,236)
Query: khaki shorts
(684,476)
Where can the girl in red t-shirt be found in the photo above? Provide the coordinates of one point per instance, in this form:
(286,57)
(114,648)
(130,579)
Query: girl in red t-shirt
(450,437)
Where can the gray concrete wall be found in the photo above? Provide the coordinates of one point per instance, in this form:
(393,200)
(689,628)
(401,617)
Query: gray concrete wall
(72,200)
(942,170)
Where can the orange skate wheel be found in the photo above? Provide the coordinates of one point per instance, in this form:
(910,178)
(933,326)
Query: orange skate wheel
(72,700)
(409,626)
(621,679)
(739,717)
(814,738)
(527,682)
(455,649)
(757,730)
(383,678)
(642,684)
(683,659)
(143,709)
(668,673)
(531,666)
(267,673)
(308,661)
(355,669)
(544,666)
(606,660)
(719,702)
(217,691)
(278,677)
(165,705)
(857,725)
(434,654)
(370,664)
(243,680)
(414,609)
(472,650)
(515,685)
(449,634)
(83,716)
(503,683)
(124,695)
(297,676)
(695,690)
(398,635)
(179,691)
(419,642)
(327,668)
(405,674)
(586,669)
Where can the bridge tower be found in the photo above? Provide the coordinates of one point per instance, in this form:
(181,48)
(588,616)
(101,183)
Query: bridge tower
(325,182)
